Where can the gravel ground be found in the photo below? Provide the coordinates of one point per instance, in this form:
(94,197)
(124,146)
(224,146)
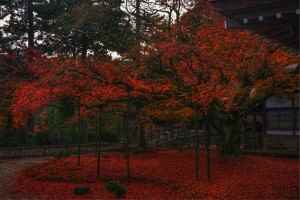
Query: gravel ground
(9,168)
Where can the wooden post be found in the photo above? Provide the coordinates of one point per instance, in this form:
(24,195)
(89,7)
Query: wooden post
(265,125)
(128,157)
(126,145)
(150,132)
(99,131)
(45,151)
(255,132)
(20,152)
(127,151)
(79,136)
(197,155)
(207,152)
(119,124)
(295,120)
(294,106)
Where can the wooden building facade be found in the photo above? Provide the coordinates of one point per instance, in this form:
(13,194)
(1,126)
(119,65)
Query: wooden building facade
(275,19)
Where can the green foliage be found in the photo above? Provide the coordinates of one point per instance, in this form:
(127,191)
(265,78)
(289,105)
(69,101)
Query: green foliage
(81,190)
(90,26)
(116,188)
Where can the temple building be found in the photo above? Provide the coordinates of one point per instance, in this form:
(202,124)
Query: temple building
(274,19)
(276,123)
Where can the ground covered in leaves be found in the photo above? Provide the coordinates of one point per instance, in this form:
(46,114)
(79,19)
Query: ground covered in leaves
(163,175)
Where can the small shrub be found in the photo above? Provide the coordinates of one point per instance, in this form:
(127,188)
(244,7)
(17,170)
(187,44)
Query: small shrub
(82,190)
(116,188)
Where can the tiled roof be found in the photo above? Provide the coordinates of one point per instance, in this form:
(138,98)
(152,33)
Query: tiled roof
(232,6)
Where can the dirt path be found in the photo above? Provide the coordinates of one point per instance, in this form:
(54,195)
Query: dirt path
(9,168)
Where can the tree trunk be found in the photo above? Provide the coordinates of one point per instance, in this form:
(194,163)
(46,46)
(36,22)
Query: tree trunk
(143,144)
(138,31)
(30,30)
(231,136)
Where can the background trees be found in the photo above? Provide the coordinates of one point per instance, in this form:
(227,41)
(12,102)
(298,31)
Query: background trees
(69,27)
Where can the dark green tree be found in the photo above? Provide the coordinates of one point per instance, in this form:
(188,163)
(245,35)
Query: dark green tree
(69,27)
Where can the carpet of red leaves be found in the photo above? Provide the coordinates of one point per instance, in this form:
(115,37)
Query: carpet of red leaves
(164,175)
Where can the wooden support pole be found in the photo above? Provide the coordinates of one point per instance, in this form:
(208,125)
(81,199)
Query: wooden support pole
(207,152)
(99,132)
(127,156)
(127,151)
(255,132)
(265,125)
(197,155)
(79,136)
(295,120)
(151,134)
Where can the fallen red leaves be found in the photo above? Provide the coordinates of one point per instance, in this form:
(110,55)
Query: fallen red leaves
(164,175)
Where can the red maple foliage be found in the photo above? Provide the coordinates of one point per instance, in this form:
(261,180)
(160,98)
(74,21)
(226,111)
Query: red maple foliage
(223,65)
(91,83)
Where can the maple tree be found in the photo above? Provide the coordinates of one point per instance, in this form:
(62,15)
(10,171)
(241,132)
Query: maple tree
(216,70)
(92,84)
